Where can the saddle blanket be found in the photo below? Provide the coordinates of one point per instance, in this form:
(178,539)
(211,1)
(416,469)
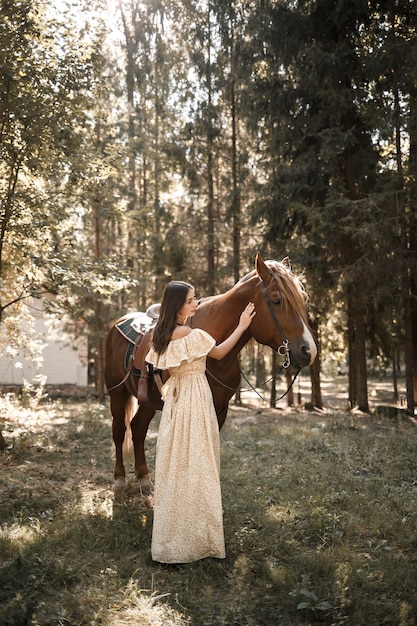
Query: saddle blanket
(138,323)
(127,329)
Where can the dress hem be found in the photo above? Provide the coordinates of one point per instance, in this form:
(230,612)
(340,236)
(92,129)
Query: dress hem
(183,562)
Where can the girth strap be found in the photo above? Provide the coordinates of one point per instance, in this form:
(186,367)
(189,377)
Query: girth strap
(142,347)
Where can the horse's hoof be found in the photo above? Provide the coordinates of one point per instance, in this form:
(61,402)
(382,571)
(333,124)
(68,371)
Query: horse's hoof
(146,485)
(119,485)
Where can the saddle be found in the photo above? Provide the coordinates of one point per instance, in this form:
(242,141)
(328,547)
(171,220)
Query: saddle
(138,329)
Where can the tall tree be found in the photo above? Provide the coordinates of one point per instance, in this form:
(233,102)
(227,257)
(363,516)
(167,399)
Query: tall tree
(150,72)
(311,84)
(45,80)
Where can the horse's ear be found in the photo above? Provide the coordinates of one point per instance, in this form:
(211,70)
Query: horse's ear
(287,262)
(262,269)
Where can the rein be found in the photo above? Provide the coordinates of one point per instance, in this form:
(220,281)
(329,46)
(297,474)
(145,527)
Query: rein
(128,373)
(255,389)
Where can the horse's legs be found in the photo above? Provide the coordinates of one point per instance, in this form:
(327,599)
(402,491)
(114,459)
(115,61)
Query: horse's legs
(121,406)
(221,405)
(221,415)
(139,425)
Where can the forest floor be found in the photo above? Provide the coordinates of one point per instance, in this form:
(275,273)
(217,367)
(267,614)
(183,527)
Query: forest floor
(334,391)
(320,511)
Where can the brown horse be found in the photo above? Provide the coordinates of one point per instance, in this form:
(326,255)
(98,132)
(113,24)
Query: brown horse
(280,322)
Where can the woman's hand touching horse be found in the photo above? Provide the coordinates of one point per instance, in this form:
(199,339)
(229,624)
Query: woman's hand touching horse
(248,313)
(247,316)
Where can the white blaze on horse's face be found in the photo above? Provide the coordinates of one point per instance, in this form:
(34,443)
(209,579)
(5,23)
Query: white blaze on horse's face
(308,339)
(301,350)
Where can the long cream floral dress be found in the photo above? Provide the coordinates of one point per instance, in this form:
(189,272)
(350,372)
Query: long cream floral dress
(188,514)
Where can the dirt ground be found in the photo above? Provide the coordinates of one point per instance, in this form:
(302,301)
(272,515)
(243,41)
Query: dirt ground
(334,393)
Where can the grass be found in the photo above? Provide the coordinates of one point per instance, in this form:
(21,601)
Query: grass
(320,525)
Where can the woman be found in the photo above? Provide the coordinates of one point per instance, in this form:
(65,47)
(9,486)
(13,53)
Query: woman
(188,516)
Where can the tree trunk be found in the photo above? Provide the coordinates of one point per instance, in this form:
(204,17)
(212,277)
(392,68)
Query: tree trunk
(130,63)
(358,383)
(236,204)
(407,270)
(273,396)
(290,394)
(99,356)
(394,377)
(408,346)
(360,350)
(316,397)
(413,314)
(98,311)
(260,365)
(238,394)
(413,240)
(352,392)
(210,170)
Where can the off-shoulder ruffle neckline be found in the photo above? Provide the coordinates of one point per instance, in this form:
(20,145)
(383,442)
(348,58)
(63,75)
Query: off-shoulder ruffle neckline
(196,344)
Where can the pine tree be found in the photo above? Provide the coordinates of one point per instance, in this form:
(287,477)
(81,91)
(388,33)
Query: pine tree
(312,86)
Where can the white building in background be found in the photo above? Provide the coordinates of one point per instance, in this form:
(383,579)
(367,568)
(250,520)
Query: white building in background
(63,357)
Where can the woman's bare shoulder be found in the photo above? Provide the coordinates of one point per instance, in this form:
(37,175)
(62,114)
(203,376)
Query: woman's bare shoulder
(180,332)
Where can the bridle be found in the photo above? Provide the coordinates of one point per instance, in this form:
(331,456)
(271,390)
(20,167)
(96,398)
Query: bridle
(283,349)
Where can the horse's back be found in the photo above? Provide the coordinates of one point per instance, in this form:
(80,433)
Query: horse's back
(115,349)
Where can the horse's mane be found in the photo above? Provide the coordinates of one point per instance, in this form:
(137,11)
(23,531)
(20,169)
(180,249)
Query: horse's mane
(293,294)
(204,299)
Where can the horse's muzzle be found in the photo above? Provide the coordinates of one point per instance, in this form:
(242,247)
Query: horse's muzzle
(303,355)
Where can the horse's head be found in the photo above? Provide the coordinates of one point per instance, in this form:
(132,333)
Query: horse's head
(280,312)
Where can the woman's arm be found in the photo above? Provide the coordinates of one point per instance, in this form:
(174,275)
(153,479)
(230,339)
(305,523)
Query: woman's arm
(218,352)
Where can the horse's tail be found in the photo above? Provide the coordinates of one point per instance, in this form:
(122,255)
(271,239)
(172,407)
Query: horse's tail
(130,410)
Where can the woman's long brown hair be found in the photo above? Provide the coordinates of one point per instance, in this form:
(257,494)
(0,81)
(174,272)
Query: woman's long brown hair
(175,295)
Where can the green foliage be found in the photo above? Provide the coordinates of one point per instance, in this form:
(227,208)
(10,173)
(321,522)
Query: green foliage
(44,82)
(57,178)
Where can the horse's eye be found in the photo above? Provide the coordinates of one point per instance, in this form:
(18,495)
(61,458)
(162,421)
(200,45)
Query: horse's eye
(276,302)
